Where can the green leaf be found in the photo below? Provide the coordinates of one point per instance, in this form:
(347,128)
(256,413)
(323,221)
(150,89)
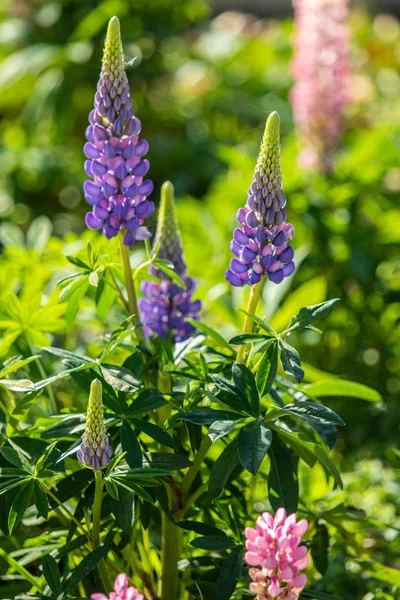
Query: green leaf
(201,528)
(155,432)
(169,461)
(283,485)
(229,574)
(317,595)
(20,505)
(245,382)
(16,458)
(267,369)
(249,338)
(18,385)
(290,360)
(123,509)
(339,387)
(147,400)
(221,428)
(253,443)
(15,364)
(229,394)
(207,416)
(213,542)
(315,288)
(120,378)
(319,548)
(84,568)
(165,267)
(313,412)
(52,574)
(222,469)
(328,464)
(309,314)
(131,446)
(40,500)
(217,337)
(383,573)
(67,427)
(262,323)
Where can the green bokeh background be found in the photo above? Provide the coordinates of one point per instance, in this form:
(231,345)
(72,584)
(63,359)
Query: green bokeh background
(202,87)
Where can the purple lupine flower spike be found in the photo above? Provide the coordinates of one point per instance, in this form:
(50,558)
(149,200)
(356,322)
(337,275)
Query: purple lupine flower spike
(261,242)
(95,451)
(117,190)
(167,306)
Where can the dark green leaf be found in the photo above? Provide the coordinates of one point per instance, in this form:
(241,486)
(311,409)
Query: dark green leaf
(124,510)
(131,446)
(67,427)
(249,338)
(201,528)
(16,458)
(20,505)
(52,574)
(40,500)
(74,359)
(217,337)
(319,548)
(245,382)
(169,461)
(229,574)
(253,443)
(147,400)
(290,360)
(222,469)
(119,378)
(309,314)
(84,568)
(267,369)
(207,416)
(221,428)
(213,542)
(283,485)
(313,412)
(155,432)
(228,393)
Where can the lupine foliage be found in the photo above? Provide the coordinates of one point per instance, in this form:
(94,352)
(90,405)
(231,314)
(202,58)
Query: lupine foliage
(39,451)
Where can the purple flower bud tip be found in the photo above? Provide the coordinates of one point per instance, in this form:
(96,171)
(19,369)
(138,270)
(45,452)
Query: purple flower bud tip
(114,151)
(261,243)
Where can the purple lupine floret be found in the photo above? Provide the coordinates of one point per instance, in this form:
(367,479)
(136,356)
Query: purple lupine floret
(117,191)
(166,306)
(261,243)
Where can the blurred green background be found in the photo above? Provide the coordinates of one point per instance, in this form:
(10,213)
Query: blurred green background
(202,85)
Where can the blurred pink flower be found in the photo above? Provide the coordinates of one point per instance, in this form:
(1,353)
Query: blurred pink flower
(274,545)
(321,70)
(122,591)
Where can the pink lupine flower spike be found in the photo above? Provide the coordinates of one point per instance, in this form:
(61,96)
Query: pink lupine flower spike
(274,545)
(122,591)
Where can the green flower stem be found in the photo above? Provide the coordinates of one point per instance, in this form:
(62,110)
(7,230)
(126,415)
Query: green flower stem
(197,462)
(171,553)
(66,510)
(248,322)
(191,500)
(130,288)
(96,524)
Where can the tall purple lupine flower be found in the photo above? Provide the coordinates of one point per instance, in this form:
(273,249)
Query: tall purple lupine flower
(95,451)
(321,70)
(117,193)
(166,305)
(261,241)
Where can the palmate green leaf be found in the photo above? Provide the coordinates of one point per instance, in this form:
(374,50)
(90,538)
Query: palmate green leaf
(317,595)
(227,393)
(16,458)
(146,401)
(309,314)
(213,542)
(131,446)
(290,360)
(201,528)
(18,385)
(283,484)
(315,288)
(84,568)
(320,547)
(312,412)
(383,573)
(267,369)
(229,574)
(52,574)
(123,509)
(261,323)
(13,365)
(222,469)
(245,382)
(253,443)
(136,488)
(12,483)
(249,338)
(69,426)
(20,505)
(168,461)
(339,387)
(73,359)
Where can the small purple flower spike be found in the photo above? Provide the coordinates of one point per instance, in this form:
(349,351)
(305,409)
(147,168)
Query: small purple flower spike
(95,451)
(261,243)
(167,306)
(115,162)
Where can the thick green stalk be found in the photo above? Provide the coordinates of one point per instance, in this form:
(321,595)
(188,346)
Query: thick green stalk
(96,524)
(171,553)
(255,294)
(130,288)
